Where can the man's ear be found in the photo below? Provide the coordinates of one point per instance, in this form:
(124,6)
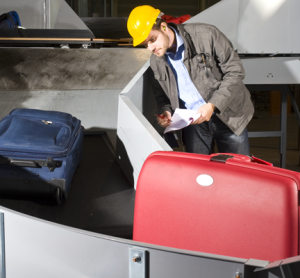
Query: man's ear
(163,27)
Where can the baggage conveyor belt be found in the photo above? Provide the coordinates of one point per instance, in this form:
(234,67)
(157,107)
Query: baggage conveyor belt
(101,199)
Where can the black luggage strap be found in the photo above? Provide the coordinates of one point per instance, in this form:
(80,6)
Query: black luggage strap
(22,32)
(50,163)
(221,158)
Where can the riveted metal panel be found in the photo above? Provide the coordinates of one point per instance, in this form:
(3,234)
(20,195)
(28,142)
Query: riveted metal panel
(44,249)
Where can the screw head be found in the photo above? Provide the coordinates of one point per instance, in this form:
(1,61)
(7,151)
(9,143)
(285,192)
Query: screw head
(238,275)
(136,259)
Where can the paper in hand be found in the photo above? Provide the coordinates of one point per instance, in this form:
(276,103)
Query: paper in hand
(182,118)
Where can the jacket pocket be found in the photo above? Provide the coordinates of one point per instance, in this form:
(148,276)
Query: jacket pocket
(239,97)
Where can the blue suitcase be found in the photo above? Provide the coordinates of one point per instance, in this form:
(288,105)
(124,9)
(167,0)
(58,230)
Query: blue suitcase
(39,152)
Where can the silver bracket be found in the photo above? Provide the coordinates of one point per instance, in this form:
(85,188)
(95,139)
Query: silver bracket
(64,46)
(85,46)
(137,262)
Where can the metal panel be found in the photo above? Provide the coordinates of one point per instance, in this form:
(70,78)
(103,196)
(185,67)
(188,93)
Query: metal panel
(68,19)
(269,26)
(97,109)
(2,246)
(137,262)
(272,70)
(138,137)
(31,12)
(256,26)
(226,22)
(53,7)
(43,249)
(69,69)
(44,14)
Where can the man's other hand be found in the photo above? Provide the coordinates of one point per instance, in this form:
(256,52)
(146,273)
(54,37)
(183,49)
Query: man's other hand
(206,112)
(166,121)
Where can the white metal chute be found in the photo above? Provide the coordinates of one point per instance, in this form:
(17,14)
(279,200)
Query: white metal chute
(256,26)
(224,15)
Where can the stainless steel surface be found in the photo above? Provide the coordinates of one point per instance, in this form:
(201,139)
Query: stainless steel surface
(291,260)
(97,109)
(31,12)
(41,245)
(83,82)
(256,26)
(137,139)
(272,70)
(52,8)
(2,246)
(74,69)
(68,19)
(52,13)
(44,14)
(269,26)
(256,263)
(227,22)
(137,262)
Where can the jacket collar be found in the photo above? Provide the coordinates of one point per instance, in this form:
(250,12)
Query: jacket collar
(190,50)
(188,43)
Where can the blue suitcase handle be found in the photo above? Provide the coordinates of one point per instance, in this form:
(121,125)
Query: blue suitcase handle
(50,163)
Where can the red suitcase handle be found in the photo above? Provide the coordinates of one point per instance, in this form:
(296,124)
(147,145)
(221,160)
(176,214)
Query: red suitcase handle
(222,157)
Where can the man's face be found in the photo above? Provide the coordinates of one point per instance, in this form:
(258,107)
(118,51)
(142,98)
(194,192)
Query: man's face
(157,42)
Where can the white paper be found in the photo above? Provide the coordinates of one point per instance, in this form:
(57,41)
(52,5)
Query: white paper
(182,118)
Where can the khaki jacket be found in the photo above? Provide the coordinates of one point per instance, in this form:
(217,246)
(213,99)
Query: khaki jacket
(219,80)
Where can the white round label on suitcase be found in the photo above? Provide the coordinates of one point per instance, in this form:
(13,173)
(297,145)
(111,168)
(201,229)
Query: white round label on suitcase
(205,180)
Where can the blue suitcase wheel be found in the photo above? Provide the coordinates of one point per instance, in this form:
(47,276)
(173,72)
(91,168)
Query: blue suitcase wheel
(58,195)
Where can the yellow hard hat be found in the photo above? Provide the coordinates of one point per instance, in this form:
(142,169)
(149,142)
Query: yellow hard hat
(140,22)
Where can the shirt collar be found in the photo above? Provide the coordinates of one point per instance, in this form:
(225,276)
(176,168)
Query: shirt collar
(179,40)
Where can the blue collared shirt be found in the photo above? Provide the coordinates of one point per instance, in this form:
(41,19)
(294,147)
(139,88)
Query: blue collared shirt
(186,89)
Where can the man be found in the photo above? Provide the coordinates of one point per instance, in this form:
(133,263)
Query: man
(195,66)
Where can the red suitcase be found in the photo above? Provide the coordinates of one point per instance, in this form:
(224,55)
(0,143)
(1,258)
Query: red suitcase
(220,204)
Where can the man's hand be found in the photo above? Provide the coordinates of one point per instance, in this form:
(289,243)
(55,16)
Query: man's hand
(206,112)
(166,121)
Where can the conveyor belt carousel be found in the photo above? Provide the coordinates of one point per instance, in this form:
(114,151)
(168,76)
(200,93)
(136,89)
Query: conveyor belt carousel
(101,198)
(107,89)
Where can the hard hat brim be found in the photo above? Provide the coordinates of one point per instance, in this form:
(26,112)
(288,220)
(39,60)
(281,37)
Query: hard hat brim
(139,40)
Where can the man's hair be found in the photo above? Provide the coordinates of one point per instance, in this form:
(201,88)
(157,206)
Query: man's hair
(158,23)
